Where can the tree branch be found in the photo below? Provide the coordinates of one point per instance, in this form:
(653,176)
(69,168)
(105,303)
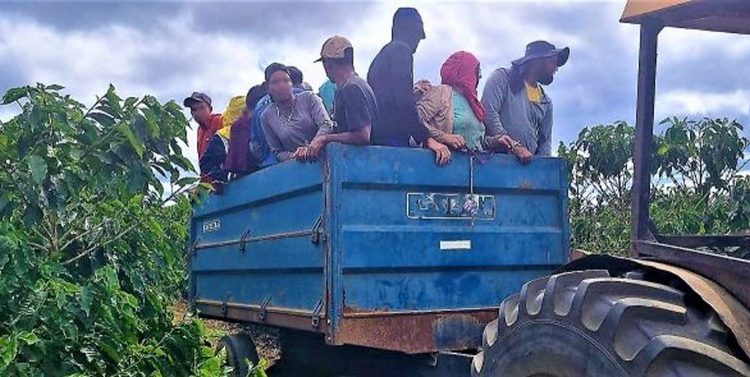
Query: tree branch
(89,231)
(42,236)
(121,234)
(109,241)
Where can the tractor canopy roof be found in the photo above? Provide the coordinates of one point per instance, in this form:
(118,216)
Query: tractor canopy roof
(731,16)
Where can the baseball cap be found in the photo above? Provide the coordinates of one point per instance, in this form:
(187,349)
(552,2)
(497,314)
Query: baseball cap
(335,48)
(197,97)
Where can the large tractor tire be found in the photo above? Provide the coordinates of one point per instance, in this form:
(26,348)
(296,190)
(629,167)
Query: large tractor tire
(587,323)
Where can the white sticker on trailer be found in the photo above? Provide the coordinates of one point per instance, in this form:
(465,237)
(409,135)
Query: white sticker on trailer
(211,225)
(455,245)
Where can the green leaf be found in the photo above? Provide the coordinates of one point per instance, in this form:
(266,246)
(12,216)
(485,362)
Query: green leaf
(8,351)
(87,297)
(113,98)
(136,181)
(140,126)
(130,101)
(55,87)
(135,142)
(110,349)
(6,206)
(110,279)
(183,163)
(14,94)
(186,181)
(152,125)
(28,337)
(102,118)
(38,168)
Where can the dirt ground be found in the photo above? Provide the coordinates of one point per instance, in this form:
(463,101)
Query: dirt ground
(266,340)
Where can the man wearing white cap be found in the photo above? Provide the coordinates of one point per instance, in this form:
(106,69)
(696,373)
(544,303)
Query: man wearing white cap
(355,111)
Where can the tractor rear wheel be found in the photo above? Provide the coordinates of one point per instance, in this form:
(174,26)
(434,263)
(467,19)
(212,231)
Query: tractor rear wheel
(588,323)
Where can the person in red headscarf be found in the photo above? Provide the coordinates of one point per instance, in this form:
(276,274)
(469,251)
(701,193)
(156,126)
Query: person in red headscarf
(452,111)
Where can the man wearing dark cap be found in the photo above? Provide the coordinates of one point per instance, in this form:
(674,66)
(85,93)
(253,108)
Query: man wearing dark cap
(391,77)
(518,111)
(208,124)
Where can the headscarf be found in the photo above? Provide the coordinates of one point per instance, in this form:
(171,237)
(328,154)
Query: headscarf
(231,114)
(460,72)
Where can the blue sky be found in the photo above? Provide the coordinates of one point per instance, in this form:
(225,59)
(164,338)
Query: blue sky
(170,49)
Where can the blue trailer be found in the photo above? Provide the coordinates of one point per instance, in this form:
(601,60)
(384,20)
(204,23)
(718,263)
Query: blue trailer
(376,262)
(378,247)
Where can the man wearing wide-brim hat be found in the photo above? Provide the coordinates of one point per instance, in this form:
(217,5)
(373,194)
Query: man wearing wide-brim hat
(518,112)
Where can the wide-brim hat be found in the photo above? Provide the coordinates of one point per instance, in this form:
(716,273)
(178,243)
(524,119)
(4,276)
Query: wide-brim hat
(543,49)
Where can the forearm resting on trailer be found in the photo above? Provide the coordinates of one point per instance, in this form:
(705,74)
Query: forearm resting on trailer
(357,137)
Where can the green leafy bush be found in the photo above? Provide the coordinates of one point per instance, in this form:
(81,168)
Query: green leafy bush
(696,188)
(93,217)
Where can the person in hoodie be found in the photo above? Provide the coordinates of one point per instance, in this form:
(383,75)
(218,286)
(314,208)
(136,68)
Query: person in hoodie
(292,120)
(391,77)
(258,143)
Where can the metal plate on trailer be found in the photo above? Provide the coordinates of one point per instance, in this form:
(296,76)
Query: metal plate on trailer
(442,206)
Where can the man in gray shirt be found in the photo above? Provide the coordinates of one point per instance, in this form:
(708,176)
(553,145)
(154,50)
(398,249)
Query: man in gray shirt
(355,111)
(518,111)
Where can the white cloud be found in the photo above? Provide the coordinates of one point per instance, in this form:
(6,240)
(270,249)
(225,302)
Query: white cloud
(87,62)
(677,45)
(173,57)
(704,103)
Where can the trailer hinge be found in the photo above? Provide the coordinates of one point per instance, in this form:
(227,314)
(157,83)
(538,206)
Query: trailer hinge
(318,232)
(316,314)
(224,306)
(433,359)
(193,250)
(264,308)
(243,240)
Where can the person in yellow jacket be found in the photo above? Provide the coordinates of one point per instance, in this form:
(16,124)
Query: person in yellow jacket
(212,162)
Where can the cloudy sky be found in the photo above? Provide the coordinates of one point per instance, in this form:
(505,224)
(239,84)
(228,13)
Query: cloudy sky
(170,49)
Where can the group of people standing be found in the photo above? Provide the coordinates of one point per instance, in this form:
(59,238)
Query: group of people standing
(283,119)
